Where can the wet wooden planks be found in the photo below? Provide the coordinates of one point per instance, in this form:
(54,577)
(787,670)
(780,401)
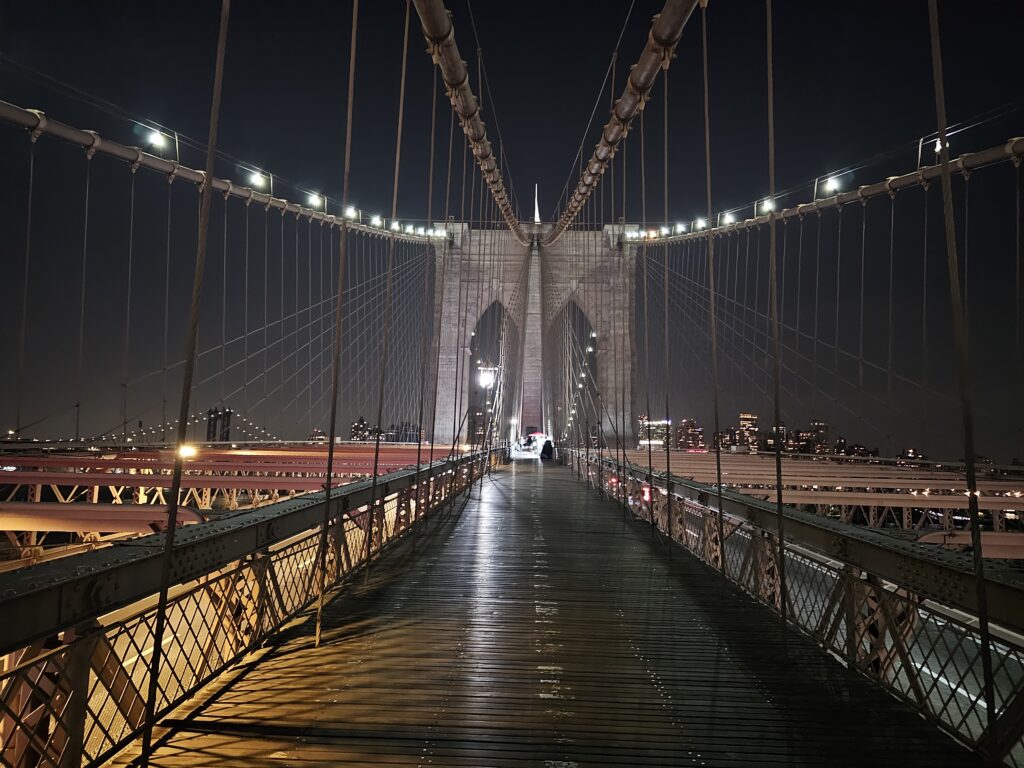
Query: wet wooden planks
(538,626)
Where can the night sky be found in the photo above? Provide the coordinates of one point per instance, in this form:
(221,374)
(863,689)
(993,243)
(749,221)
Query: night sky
(852,81)
(853,90)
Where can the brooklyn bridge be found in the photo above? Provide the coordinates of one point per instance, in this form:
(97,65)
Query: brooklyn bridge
(709,456)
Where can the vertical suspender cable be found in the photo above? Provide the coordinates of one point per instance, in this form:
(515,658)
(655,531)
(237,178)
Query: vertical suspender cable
(186,388)
(224,305)
(774,282)
(647,323)
(460,311)
(426,285)
(338,307)
(665,356)
(963,377)
(245,311)
(81,300)
(128,308)
(266,321)
(712,321)
(23,325)
(387,301)
(445,256)
(892,254)
(1019,176)
(167,306)
(617,373)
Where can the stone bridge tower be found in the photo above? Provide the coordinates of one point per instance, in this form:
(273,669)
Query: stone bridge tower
(533,286)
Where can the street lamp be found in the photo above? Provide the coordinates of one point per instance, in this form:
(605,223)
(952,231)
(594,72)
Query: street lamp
(156,139)
(314,200)
(487,376)
(701,224)
(351,212)
(832,184)
(767,205)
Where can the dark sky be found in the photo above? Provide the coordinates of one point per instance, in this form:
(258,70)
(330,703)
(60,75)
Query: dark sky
(852,80)
(853,90)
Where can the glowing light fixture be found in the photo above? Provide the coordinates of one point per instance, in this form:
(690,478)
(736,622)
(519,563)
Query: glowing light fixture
(188,451)
(832,184)
(377,221)
(767,205)
(158,140)
(257,180)
(701,224)
(680,228)
(487,377)
(314,200)
(351,213)
(728,218)
(395,226)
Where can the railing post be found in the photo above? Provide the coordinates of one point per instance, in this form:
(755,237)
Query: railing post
(850,607)
(76,685)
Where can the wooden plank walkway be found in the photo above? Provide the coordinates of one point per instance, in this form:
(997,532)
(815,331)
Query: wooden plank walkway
(539,627)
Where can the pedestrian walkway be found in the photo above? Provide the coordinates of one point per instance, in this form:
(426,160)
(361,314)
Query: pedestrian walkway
(537,626)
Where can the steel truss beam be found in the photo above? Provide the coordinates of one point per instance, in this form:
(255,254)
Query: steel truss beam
(38,601)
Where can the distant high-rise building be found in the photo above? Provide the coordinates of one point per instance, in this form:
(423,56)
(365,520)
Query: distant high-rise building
(654,432)
(820,430)
(360,430)
(776,433)
(689,436)
(747,434)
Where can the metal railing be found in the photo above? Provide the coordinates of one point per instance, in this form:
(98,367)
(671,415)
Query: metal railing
(74,692)
(923,650)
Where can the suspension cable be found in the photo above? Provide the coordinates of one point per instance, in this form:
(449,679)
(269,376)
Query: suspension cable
(192,333)
(712,321)
(128,307)
(339,306)
(23,324)
(387,299)
(963,375)
(666,29)
(665,355)
(773,280)
(81,300)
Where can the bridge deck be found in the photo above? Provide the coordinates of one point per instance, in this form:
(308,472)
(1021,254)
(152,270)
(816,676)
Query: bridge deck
(538,627)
